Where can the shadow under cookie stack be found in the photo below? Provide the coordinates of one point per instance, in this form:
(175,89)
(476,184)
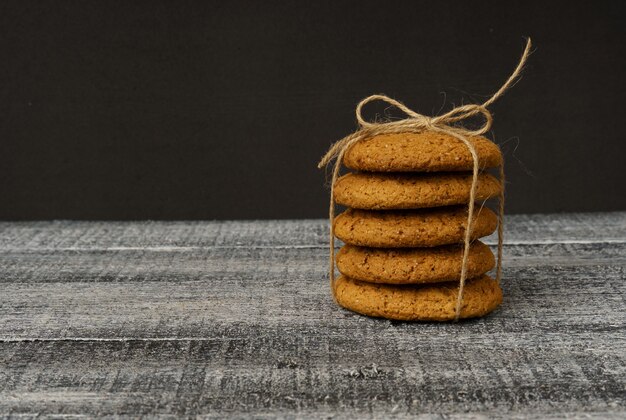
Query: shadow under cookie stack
(405,226)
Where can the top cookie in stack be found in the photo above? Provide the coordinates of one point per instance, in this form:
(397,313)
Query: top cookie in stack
(405,225)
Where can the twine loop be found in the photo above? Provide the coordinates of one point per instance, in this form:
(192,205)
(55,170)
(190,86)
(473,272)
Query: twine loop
(415,122)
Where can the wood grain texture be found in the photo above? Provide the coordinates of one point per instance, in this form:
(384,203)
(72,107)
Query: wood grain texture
(235,319)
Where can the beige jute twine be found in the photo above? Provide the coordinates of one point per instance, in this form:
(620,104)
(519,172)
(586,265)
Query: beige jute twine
(415,123)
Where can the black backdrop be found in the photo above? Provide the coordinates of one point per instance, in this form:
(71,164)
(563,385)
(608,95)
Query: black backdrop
(207,109)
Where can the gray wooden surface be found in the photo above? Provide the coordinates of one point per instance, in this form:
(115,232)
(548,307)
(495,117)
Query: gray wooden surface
(235,318)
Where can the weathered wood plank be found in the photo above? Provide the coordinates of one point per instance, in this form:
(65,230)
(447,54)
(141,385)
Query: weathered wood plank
(278,370)
(181,293)
(129,265)
(557,300)
(582,227)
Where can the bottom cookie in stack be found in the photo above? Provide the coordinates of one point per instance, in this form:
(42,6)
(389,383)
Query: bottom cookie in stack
(434,302)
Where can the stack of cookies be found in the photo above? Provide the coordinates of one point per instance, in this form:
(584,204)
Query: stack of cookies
(405,224)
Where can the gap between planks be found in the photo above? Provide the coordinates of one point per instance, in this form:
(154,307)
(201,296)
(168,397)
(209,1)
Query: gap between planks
(196,248)
(114,339)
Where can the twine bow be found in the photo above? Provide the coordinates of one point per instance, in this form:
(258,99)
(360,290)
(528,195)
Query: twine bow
(416,122)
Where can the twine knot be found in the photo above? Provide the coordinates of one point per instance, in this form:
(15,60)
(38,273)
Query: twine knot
(417,121)
(449,123)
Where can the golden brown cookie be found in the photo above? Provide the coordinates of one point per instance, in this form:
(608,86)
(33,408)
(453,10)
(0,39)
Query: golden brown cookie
(434,302)
(413,265)
(428,151)
(411,191)
(412,228)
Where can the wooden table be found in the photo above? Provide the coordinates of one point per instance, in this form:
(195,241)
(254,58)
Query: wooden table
(235,318)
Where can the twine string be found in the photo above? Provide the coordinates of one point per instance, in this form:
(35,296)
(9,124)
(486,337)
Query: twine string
(446,124)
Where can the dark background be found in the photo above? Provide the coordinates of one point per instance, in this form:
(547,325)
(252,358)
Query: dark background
(206,109)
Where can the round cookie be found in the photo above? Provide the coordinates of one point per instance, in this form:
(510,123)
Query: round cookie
(435,302)
(413,265)
(428,151)
(412,228)
(411,191)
